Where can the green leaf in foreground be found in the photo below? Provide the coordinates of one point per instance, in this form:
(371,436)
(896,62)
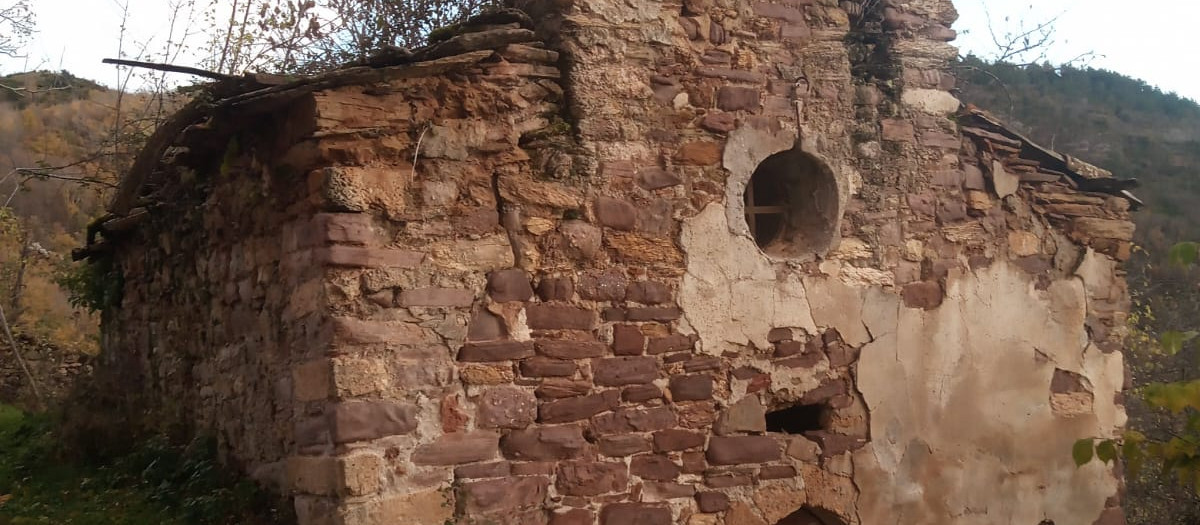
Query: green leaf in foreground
(1107,451)
(1184,253)
(1082,451)
(1172,342)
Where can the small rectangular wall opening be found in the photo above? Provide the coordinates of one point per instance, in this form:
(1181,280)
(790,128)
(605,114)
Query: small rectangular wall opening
(798,419)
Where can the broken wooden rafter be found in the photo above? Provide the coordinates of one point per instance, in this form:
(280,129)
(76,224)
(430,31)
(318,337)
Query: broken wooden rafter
(170,68)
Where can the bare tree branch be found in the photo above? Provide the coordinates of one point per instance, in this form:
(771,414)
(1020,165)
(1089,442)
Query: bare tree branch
(12,341)
(169,68)
(16,24)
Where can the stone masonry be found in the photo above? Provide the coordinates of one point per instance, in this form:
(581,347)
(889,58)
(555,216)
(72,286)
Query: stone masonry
(527,275)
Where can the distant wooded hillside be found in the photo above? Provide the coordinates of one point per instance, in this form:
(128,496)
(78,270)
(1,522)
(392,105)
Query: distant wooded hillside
(63,142)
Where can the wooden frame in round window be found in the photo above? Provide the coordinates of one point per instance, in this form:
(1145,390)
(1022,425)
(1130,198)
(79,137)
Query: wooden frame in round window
(792,205)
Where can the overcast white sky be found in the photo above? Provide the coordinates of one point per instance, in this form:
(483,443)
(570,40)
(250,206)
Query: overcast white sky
(1143,39)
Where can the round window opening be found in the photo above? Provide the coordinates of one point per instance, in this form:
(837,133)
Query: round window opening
(791,205)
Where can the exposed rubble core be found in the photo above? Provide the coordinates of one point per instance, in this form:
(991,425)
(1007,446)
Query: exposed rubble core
(516,277)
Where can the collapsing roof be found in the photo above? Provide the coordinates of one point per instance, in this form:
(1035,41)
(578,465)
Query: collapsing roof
(203,125)
(1033,163)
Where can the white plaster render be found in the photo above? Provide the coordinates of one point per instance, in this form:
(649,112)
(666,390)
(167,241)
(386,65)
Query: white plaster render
(962,429)
(730,293)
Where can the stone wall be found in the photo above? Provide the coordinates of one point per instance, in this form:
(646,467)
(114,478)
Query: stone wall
(54,369)
(520,286)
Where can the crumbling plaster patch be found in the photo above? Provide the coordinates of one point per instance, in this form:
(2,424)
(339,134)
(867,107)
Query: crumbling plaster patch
(727,283)
(961,423)
(962,427)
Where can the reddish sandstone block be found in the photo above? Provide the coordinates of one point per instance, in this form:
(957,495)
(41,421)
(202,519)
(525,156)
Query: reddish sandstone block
(552,317)
(712,501)
(641,393)
(312,434)
(657,178)
(618,168)
(569,349)
(362,421)
(606,285)
(777,335)
(657,491)
(503,495)
(702,364)
(788,349)
(576,408)
(676,439)
(509,285)
(495,351)
(544,443)
(562,388)
(692,388)
(486,326)
(614,213)
(924,294)
(619,371)
(649,293)
(533,468)
(451,414)
(735,98)
(824,392)
(623,445)
(635,514)
(459,447)
(591,478)
(628,340)
(573,517)
(634,420)
(497,469)
(719,122)
(725,479)
(747,415)
(346,228)
(506,407)
(476,221)
(693,462)
(348,330)
(670,343)
(653,466)
(735,450)
(777,472)
(556,289)
(938,139)
(547,367)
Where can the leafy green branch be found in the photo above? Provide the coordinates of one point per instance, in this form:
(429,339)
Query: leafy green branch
(1177,453)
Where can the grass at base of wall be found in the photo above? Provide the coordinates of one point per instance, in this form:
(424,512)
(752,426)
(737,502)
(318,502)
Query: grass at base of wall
(155,483)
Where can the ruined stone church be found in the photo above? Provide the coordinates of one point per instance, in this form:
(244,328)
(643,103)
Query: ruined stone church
(630,262)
